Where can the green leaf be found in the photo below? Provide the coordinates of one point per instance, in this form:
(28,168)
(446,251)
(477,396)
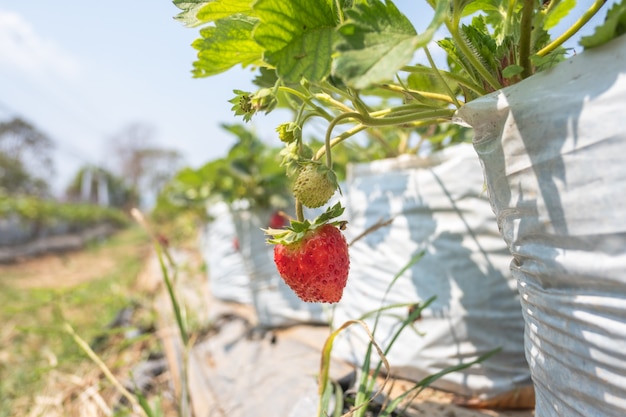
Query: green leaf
(329,214)
(220,9)
(483,6)
(561,10)
(297,37)
(190,9)
(614,25)
(377,40)
(225,45)
(512,71)
(430,82)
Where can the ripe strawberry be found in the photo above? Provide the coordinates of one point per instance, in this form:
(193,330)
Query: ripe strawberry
(315,185)
(316,267)
(313,258)
(277,220)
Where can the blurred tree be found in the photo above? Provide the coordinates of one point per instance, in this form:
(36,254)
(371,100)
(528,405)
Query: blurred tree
(99,186)
(144,166)
(25,159)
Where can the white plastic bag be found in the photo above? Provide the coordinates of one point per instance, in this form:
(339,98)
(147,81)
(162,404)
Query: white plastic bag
(553,150)
(439,207)
(228,278)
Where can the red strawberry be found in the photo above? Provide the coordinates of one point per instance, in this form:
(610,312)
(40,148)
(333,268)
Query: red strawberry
(277,220)
(313,258)
(315,267)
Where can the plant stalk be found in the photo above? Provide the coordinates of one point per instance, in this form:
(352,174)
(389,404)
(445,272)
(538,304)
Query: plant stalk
(103,367)
(591,12)
(524,42)
(461,43)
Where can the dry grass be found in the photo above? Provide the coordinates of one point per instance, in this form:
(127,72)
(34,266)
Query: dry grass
(42,370)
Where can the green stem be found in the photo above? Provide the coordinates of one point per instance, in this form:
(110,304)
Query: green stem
(104,368)
(299,211)
(508,22)
(338,139)
(449,76)
(173,299)
(440,76)
(461,43)
(326,86)
(427,94)
(329,131)
(327,98)
(595,7)
(294,92)
(524,42)
(390,121)
(369,121)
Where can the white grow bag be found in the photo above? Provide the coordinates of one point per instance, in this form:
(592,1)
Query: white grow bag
(439,206)
(553,149)
(228,278)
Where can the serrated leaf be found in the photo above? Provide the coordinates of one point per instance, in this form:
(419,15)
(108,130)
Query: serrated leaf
(614,25)
(484,6)
(220,9)
(329,214)
(189,8)
(377,40)
(225,45)
(266,78)
(561,10)
(297,37)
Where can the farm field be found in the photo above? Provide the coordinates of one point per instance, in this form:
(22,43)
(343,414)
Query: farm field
(42,369)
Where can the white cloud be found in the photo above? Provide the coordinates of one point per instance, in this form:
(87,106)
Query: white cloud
(22,48)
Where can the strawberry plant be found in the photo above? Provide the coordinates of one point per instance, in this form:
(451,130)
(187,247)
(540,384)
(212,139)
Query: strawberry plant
(250,171)
(356,65)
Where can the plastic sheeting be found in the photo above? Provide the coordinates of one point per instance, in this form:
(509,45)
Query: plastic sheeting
(553,148)
(228,278)
(439,207)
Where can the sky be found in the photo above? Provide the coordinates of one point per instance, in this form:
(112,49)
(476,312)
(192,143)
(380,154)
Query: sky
(82,72)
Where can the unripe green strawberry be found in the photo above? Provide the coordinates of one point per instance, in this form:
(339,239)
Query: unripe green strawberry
(316,266)
(315,185)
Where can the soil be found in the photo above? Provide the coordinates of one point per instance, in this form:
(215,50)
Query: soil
(65,270)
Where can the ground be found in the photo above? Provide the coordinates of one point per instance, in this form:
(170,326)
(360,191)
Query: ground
(93,286)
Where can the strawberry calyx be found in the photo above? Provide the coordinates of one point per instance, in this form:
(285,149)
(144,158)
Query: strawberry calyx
(297,230)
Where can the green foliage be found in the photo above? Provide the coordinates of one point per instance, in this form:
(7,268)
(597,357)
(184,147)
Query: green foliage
(376,41)
(361,404)
(355,65)
(49,213)
(614,25)
(250,171)
(297,37)
(225,45)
